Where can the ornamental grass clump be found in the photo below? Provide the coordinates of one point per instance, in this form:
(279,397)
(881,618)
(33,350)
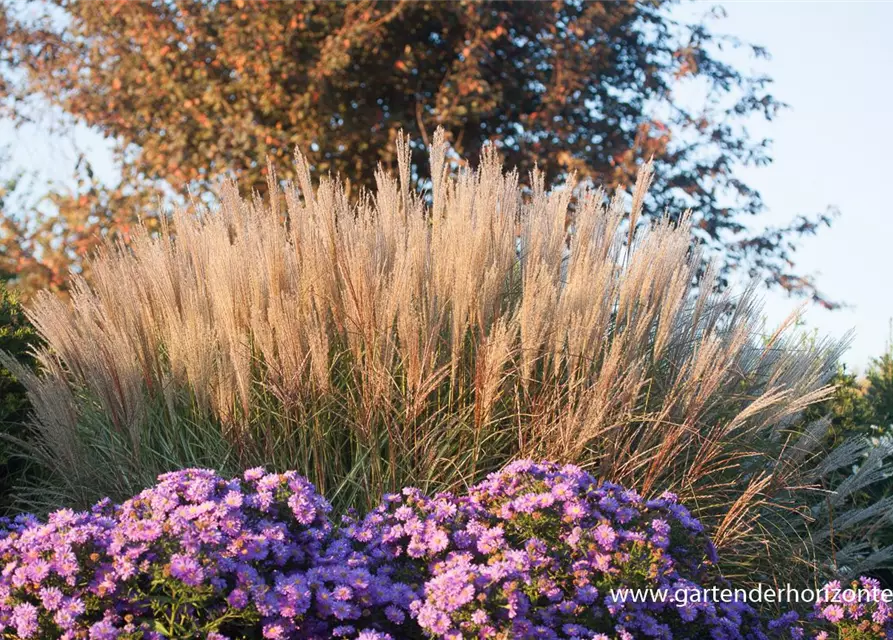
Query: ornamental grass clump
(406,338)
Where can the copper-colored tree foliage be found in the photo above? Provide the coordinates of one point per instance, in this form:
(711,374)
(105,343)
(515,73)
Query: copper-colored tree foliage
(192,90)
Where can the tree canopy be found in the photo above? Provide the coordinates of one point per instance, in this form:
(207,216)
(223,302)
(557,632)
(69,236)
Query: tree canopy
(190,91)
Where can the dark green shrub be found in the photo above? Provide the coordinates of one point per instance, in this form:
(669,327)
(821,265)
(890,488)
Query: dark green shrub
(17,337)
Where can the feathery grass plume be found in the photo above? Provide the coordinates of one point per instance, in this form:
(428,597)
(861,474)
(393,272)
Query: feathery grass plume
(396,340)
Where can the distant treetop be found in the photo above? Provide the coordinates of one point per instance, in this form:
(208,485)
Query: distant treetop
(190,91)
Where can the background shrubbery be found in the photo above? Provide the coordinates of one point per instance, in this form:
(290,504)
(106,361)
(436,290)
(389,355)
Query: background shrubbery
(17,339)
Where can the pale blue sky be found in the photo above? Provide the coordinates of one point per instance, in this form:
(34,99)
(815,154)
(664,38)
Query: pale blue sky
(832,63)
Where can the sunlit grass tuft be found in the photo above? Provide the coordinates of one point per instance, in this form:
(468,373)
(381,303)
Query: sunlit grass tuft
(427,339)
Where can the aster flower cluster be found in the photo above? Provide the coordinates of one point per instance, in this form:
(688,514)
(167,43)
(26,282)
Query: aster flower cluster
(854,611)
(193,556)
(535,551)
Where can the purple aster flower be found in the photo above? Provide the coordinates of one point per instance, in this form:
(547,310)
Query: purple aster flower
(24,619)
(186,570)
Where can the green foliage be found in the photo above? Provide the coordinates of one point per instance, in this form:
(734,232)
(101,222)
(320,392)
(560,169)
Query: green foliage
(17,338)
(848,408)
(193,90)
(879,395)
(861,408)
